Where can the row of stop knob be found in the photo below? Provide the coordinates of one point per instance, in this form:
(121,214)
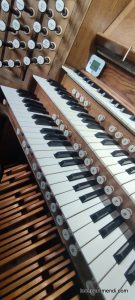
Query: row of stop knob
(42,7)
(112,129)
(31,44)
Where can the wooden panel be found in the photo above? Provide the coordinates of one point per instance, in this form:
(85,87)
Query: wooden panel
(99,16)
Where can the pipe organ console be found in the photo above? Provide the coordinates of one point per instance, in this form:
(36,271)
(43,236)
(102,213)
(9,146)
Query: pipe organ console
(67,204)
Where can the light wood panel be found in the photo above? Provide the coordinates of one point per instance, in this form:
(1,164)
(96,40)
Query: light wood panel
(99,16)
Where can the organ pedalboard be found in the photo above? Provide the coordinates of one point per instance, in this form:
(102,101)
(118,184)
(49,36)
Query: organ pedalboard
(79,142)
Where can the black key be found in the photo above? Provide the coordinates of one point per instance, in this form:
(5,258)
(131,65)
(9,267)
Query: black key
(132,118)
(53,82)
(59,143)
(102,213)
(71,162)
(44,122)
(34,104)
(89,120)
(61,89)
(71,100)
(101,135)
(32,101)
(94,126)
(76,108)
(92,195)
(118,153)
(79,175)
(84,115)
(37,110)
(50,130)
(107,229)
(28,95)
(130,273)
(84,185)
(131,170)
(64,154)
(40,117)
(54,137)
(109,142)
(125,250)
(126,161)
(73,103)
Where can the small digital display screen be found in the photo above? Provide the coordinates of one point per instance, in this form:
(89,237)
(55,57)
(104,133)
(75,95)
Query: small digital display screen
(95,65)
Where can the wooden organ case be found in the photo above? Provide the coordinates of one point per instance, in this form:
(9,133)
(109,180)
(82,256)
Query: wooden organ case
(67,194)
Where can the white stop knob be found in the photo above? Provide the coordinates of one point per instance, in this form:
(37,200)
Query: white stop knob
(101,179)
(125,141)
(88,162)
(82,153)
(76,147)
(112,129)
(117,201)
(94,170)
(101,118)
(118,135)
(108,189)
(131,148)
(126,213)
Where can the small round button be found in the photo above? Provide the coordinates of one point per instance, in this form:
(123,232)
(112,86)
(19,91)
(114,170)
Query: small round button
(43,185)
(18,131)
(20,4)
(108,189)
(88,162)
(53,207)
(2,26)
(62,127)
(73,250)
(16,44)
(101,179)
(42,6)
(66,234)
(117,201)
(40,60)
(34,166)
(24,144)
(86,103)
(52,24)
(16,25)
(76,147)
(11,63)
(82,99)
(82,153)
(38,175)
(94,170)
(59,5)
(5,5)
(27,151)
(58,121)
(77,95)
(67,133)
(118,135)
(36,27)
(31,44)
(26,61)
(59,220)
(48,196)
(112,129)
(101,118)
(131,148)
(54,117)
(125,141)
(46,44)
(74,91)
(126,213)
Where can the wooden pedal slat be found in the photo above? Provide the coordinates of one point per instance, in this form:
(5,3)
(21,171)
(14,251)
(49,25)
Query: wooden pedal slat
(15,250)
(16,168)
(21,190)
(59,292)
(13,176)
(7,209)
(55,250)
(24,238)
(24,280)
(20,234)
(13,199)
(27,189)
(64,279)
(27,249)
(38,288)
(44,233)
(14,184)
(21,218)
(76,297)
(28,206)
(23,289)
(39,296)
(10,219)
(4,238)
(60,266)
